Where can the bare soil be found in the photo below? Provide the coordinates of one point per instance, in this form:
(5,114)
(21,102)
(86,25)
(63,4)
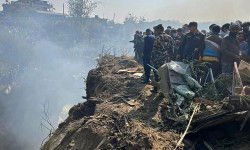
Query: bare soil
(120,113)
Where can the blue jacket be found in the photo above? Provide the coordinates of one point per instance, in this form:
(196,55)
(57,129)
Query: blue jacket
(148,45)
(244,48)
(210,52)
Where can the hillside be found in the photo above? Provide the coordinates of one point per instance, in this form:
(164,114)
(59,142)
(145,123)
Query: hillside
(120,113)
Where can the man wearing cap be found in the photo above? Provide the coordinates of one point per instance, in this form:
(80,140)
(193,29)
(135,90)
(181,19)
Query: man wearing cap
(230,49)
(162,50)
(192,45)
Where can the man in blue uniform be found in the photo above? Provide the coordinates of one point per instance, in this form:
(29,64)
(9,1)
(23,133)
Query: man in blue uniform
(147,51)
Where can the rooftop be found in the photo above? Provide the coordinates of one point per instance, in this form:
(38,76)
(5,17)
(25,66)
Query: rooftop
(37,5)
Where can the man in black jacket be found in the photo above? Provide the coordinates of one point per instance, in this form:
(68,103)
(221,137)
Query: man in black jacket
(192,44)
(230,49)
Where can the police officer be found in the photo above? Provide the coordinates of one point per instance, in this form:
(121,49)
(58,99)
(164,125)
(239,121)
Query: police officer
(192,45)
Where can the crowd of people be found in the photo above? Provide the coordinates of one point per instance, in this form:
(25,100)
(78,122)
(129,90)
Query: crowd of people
(219,48)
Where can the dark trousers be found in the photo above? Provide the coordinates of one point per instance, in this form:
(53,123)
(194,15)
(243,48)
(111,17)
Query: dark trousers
(227,67)
(147,69)
(139,57)
(216,69)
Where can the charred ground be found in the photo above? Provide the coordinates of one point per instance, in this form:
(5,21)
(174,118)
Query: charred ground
(122,113)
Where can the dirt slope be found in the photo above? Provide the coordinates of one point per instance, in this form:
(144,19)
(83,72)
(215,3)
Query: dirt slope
(120,113)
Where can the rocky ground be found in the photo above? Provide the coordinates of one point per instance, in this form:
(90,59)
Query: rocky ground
(120,113)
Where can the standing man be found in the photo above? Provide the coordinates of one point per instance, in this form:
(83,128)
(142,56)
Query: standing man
(162,50)
(246,32)
(224,30)
(230,48)
(169,28)
(173,33)
(138,42)
(212,51)
(178,40)
(180,33)
(210,29)
(244,47)
(185,28)
(192,45)
(174,36)
(147,51)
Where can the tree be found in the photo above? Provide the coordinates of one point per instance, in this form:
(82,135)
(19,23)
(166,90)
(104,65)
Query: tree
(81,8)
(134,19)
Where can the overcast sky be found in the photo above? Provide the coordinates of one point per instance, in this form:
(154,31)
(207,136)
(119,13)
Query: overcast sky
(182,10)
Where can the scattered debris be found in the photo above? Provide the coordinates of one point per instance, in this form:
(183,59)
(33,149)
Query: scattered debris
(122,113)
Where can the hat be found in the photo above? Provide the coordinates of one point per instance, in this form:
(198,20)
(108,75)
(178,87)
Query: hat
(160,27)
(235,25)
(193,24)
